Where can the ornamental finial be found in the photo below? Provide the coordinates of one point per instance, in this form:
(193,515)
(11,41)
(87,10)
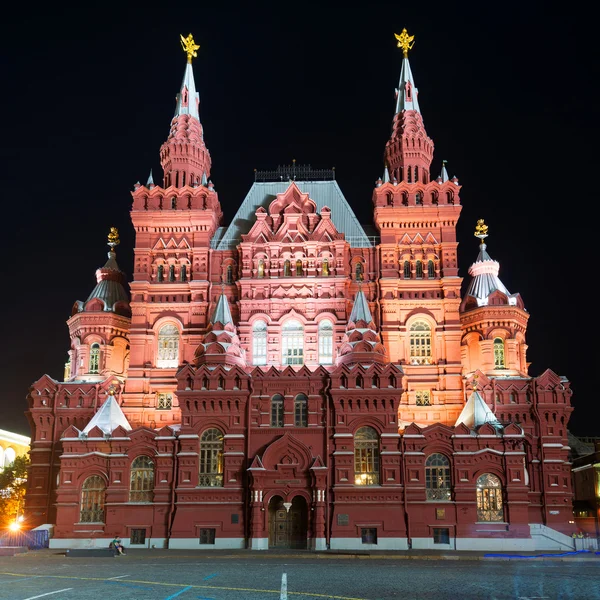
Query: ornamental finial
(481,230)
(189,46)
(113,238)
(405,41)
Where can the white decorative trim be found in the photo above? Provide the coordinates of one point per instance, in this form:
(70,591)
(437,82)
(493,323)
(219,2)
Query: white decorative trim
(387,543)
(259,544)
(194,544)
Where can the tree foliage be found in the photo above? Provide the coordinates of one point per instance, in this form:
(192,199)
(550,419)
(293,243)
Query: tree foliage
(13,482)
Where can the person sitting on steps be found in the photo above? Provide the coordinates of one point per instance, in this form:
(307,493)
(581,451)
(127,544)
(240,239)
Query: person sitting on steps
(117,545)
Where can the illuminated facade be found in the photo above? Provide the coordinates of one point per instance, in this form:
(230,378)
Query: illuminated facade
(12,445)
(293,380)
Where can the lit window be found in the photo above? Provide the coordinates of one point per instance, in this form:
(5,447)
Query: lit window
(366,457)
(95,358)
(423,398)
(292,338)
(141,482)
(420,343)
(277,411)
(261,268)
(9,457)
(358,271)
(325,342)
(489,498)
(299,272)
(499,362)
(164,401)
(211,459)
(325,268)
(301,411)
(437,477)
(259,343)
(93,497)
(168,347)
(287,269)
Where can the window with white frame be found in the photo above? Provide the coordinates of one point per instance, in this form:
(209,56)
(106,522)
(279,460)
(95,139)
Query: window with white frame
(420,343)
(325,342)
(168,347)
(292,338)
(259,343)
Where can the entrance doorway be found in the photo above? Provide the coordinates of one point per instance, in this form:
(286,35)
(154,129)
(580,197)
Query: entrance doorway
(288,529)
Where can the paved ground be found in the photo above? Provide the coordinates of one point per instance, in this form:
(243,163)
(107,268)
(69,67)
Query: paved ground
(296,575)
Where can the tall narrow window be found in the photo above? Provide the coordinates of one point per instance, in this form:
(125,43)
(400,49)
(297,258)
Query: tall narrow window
(437,477)
(141,481)
(261,268)
(418,197)
(409,176)
(211,459)
(94,358)
(160,276)
(419,270)
(174,199)
(287,269)
(93,498)
(325,342)
(489,498)
(183,273)
(292,338)
(420,343)
(366,457)
(301,411)
(168,347)
(299,272)
(171,272)
(229,274)
(325,268)
(417,178)
(277,411)
(259,343)
(499,362)
(430,270)
(406,269)
(358,270)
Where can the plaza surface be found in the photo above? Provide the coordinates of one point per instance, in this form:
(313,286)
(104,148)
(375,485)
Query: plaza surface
(287,575)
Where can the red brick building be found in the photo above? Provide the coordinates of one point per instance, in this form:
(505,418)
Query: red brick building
(296,379)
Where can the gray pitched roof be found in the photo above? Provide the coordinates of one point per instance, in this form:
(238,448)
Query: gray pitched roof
(476,412)
(323,193)
(222,313)
(108,418)
(360,310)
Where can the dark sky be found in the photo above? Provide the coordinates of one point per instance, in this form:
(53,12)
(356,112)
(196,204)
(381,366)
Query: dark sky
(506,92)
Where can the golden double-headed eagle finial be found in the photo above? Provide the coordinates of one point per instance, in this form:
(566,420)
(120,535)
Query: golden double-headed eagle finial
(481,229)
(189,46)
(113,238)
(405,41)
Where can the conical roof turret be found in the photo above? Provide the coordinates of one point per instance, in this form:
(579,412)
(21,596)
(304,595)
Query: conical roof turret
(409,151)
(184,157)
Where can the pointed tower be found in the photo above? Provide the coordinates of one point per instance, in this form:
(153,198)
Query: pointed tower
(99,326)
(184,157)
(494,320)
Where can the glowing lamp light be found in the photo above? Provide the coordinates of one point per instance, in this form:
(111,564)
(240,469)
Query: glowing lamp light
(15,526)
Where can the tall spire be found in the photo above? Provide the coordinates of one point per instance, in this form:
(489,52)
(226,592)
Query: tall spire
(184,156)
(409,151)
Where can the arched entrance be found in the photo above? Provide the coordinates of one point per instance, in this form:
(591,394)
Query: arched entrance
(288,528)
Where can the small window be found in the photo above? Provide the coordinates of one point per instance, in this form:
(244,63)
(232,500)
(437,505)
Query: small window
(358,271)
(419,270)
(183,273)
(229,274)
(277,411)
(406,269)
(430,270)
(499,362)
(287,269)
(259,343)
(325,268)
(441,535)
(301,411)
(423,398)
(368,535)
(299,271)
(137,536)
(235,518)
(325,342)
(174,199)
(95,358)
(172,273)
(164,401)
(261,269)
(207,536)
(161,273)
(168,347)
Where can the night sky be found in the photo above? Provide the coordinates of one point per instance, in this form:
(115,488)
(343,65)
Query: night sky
(506,93)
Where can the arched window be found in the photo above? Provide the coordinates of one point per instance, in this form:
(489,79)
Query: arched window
(292,338)
(418,197)
(409,172)
(499,362)
(183,273)
(211,459)
(299,272)
(287,269)
(437,477)
(406,269)
(325,342)
(141,480)
(94,358)
(174,199)
(420,343)
(430,270)
(259,343)
(229,274)
(9,457)
(168,347)
(261,268)
(277,411)
(171,272)
(366,457)
(325,268)
(419,270)
(358,271)
(417,177)
(161,273)
(93,498)
(489,498)
(301,411)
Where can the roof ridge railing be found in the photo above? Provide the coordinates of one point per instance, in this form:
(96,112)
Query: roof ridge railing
(295,172)
(356,241)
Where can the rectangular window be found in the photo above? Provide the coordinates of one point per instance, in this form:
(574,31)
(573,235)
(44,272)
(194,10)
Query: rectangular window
(137,536)
(207,536)
(368,535)
(235,519)
(423,398)
(277,413)
(441,535)
(164,401)
(343,519)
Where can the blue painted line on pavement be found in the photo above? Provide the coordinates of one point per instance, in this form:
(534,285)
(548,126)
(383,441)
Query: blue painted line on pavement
(189,587)
(210,576)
